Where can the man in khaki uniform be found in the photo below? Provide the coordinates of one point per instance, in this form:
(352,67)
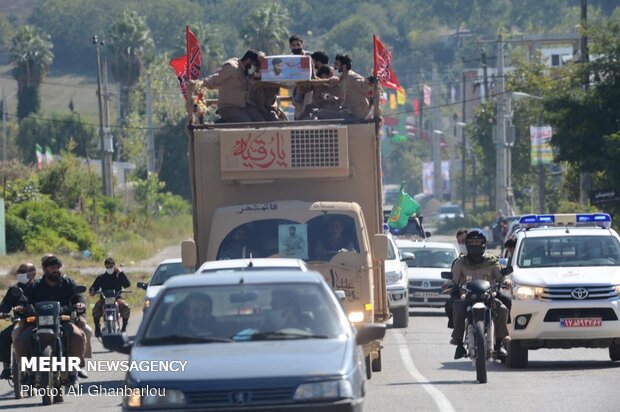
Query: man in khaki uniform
(477,265)
(233,84)
(353,88)
(326,99)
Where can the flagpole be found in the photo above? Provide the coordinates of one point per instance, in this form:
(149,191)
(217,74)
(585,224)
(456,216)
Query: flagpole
(187,68)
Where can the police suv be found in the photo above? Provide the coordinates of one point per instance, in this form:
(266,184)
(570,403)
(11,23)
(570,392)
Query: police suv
(566,285)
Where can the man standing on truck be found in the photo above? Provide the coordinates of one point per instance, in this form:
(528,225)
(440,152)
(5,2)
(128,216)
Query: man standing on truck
(233,83)
(353,88)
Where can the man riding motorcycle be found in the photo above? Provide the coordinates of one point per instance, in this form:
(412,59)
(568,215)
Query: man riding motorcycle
(477,265)
(112,279)
(54,286)
(25,275)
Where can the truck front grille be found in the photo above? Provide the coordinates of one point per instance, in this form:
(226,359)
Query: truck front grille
(554,315)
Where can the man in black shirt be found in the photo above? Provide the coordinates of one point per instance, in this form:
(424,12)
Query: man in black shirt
(112,279)
(25,274)
(58,287)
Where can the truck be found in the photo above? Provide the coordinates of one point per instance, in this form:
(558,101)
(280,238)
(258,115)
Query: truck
(286,189)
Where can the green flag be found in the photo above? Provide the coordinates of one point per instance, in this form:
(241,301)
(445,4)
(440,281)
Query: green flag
(403,209)
(39,153)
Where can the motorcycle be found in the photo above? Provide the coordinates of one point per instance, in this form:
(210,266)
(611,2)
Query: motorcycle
(111,312)
(48,342)
(480,299)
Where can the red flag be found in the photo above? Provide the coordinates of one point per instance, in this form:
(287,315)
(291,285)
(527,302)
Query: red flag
(383,65)
(189,65)
(416,107)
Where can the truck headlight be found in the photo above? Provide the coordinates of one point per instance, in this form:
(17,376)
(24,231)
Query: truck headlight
(393,277)
(158,397)
(618,290)
(524,292)
(356,317)
(324,390)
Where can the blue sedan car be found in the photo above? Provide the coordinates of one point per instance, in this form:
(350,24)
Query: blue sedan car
(251,341)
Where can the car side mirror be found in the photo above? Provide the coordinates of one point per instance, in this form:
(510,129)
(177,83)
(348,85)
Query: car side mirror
(506,271)
(341,295)
(369,332)
(407,257)
(79,289)
(142,285)
(427,234)
(380,246)
(117,342)
(189,256)
(446,275)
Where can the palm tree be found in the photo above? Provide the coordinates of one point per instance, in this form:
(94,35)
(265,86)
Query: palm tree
(129,40)
(30,54)
(265,29)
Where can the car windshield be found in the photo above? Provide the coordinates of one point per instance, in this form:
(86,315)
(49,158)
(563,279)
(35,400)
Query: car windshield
(430,257)
(242,312)
(569,251)
(320,239)
(167,270)
(251,269)
(450,209)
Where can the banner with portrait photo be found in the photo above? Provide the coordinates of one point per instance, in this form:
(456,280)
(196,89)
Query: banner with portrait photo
(293,241)
(285,68)
(540,140)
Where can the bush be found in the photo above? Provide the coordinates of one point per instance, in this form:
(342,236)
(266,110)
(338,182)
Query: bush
(172,205)
(40,226)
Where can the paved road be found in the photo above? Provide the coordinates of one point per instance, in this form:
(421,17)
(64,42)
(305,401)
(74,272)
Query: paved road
(420,374)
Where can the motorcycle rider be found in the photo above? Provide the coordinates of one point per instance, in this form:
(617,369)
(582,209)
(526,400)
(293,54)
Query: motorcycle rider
(477,265)
(461,235)
(112,279)
(58,287)
(25,275)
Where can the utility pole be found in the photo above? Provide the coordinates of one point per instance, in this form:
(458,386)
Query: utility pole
(455,118)
(503,114)
(150,142)
(485,76)
(109,143)
(437,179)
(585,179)
(102,138)
(4,135)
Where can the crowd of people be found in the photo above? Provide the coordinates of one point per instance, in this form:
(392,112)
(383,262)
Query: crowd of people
(335,92)
(54,285)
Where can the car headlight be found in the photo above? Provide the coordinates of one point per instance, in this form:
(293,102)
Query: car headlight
(147,303)
(618,290)
(324,390)
(160,397)
(524,292)
(393,277)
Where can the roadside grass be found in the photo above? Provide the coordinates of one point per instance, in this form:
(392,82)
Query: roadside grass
(162,232)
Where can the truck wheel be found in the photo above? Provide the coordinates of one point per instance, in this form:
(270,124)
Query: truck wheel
(368,367)
(401,317)
(614,352)
(517,355)
(376,364)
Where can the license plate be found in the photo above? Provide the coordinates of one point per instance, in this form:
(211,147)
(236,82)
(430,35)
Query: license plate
(46,320)
(425,295)
(581,322)
(110,301)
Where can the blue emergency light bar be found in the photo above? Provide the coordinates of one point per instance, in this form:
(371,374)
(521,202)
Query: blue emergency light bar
(581,219)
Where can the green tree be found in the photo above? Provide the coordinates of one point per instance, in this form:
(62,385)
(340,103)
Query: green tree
(265,28)
(129,42)
(6,31)
(30,54)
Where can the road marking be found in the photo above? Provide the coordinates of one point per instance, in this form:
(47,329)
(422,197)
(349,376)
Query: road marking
(439,398)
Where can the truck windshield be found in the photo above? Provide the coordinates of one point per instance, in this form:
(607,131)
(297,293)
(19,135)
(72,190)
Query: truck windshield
(569,251)
(319,239)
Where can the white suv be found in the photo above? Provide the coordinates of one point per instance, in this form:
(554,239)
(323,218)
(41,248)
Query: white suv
(566,285)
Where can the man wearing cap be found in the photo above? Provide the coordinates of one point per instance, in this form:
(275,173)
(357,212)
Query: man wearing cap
(58,287)
(111,279)
(25,275)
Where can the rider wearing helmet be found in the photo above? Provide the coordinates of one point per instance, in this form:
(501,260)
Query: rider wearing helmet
(477,264)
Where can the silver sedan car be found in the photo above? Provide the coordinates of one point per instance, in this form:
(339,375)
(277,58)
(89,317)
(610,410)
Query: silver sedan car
(252,341)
